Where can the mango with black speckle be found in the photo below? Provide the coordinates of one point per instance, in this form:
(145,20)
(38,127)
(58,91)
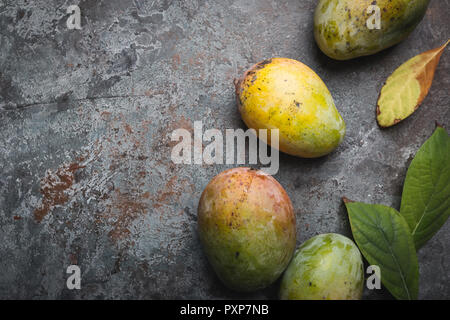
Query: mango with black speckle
(342,32)
(287,95)
(246,225)
(325,267)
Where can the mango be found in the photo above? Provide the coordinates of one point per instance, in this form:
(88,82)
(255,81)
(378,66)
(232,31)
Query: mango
(326,267)
(287,95)
(246,225)
(346,29)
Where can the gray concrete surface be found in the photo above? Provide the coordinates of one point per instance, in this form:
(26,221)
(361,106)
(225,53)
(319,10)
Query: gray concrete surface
(85,123)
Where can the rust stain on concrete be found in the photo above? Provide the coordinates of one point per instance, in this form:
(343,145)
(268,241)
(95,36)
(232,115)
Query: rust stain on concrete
(53,189)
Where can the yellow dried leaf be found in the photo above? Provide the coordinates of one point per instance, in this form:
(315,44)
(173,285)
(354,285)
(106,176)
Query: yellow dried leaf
(407,87)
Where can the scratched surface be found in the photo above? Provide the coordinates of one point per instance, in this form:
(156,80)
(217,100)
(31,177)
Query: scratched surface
(85,124)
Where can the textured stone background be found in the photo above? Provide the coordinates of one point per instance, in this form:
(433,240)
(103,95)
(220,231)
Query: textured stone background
(85,124)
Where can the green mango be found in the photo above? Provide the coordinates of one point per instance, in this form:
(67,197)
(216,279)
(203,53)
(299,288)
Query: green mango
(326,267)
(341,26)
(246,224)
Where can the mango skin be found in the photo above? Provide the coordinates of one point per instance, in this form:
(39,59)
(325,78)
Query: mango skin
(285,94)
(246,224)
(326,267)
(341,31)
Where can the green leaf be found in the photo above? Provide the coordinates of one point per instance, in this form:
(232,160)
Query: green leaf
(426,192)
(384,239)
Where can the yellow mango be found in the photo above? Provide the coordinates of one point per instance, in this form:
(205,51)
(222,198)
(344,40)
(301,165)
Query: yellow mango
(285,94)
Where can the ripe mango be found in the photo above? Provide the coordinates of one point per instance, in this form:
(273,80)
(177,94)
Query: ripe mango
(285,94)
(246,224)
(326,267)
(342,31)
